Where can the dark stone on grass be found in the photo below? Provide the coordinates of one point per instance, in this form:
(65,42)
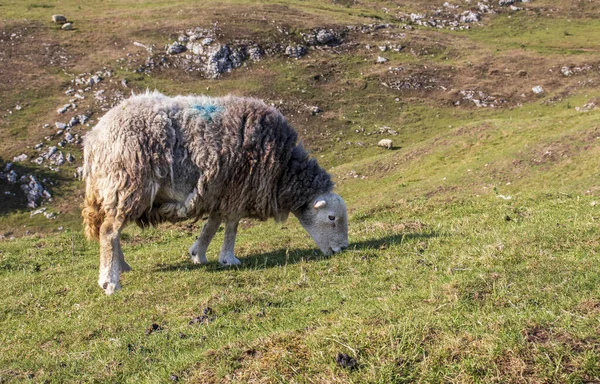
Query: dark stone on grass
(345,361)
(507,218)
(174,378)
(153,328)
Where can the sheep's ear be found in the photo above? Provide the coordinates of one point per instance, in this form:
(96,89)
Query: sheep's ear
(320,204)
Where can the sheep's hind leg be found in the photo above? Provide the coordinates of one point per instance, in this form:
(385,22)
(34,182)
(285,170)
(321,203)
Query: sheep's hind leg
(198,250)
(112,261)
(226,256)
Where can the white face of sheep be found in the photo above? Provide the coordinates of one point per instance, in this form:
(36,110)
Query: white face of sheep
(326,220)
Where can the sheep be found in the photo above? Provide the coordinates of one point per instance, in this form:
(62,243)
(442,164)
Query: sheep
(385,143)
(155,158)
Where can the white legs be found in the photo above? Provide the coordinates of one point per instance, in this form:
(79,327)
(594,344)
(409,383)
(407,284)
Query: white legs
(198,250)
(226,256)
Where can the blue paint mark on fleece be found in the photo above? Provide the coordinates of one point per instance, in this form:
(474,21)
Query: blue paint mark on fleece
(208,111)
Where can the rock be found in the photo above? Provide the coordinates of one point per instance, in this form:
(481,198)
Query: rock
(296,51)
(222,59)
(21,157)
(50,215)
(39,160)
(34,191)
(207,41)
(69,137)
(255,53)
(538,90)
(315,110)
(64,108)
(83,119)
(70,158)
(73,122)
(60,159)
(566,71)
(60,125)
(37,212)
(176,48)
(38,146)
(381,60)
(78,173)
(51,151)
(12,177)
(470,17)
(59,19)
(325,36)
(67,26)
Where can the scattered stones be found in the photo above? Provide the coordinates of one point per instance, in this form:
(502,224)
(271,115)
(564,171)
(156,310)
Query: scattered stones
(589,106)
(73,122)
(255,53)
(381,60)
(59,19)
(64,108)
(296,51)
(67,26)
(480,99)
(386,129)
(222,59)
(38,212)
(176,48)
(60,125)
(21,157)
(34,191)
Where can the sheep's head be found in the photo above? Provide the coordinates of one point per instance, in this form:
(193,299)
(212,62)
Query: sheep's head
(326,220)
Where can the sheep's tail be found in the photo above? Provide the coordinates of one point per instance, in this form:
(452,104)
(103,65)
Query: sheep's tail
(93,213)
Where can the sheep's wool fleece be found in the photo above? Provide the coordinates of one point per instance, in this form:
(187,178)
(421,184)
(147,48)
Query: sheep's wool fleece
(154,158)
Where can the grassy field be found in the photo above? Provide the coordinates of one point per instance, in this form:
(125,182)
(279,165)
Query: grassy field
(474,244)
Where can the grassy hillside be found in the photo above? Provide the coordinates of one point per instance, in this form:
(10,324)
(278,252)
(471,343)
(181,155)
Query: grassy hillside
(474,251)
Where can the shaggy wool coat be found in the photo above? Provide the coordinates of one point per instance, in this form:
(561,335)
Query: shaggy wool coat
(155,158)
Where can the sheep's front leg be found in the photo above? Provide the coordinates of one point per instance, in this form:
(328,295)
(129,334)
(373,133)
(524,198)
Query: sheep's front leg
(112,261)
(226,256)
(198,250)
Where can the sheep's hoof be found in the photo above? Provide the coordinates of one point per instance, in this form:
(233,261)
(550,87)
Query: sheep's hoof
(229,260)
(109,288)
(198,259)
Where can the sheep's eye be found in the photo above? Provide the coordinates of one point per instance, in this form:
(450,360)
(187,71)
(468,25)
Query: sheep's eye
(331,218)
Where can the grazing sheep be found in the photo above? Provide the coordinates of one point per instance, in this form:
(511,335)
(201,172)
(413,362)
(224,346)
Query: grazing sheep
(153,158)
(385,143)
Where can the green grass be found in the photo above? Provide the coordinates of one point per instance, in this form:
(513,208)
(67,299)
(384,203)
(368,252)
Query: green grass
(427,291)
(474,251)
